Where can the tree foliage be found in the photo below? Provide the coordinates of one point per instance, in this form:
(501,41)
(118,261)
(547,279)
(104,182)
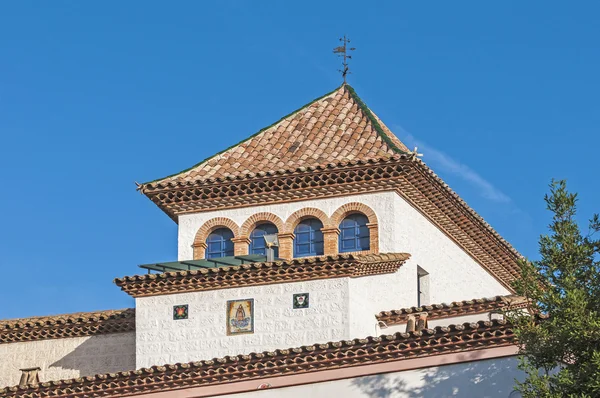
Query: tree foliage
(560,347)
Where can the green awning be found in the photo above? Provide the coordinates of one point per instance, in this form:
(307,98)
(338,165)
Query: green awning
(190,265)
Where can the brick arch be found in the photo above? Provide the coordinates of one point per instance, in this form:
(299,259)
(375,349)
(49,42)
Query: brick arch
(309,212)
(260,218)
(199,244)
(215,223)
(352,208)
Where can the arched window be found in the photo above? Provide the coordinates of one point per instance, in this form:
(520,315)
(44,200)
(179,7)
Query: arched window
(309,238)
(219,244)
(257,242)
(354,233)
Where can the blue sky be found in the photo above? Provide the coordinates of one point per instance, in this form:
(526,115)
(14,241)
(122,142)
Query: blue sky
(500,97)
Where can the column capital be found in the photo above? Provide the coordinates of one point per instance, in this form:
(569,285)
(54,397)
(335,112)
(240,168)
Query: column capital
(241,239)
(288,235)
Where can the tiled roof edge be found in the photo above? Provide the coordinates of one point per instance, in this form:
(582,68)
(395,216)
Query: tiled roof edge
(466,206)
(312,358)
(67,325)
(244,140)
(455,308)
(298,269)
(365,109)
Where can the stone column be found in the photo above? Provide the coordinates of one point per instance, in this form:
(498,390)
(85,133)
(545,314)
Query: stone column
(240,245)
(330,240)
(199,250)
(286,246)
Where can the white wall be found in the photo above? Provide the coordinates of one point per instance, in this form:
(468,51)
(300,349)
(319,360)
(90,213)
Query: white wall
(340,308)
(454,275)
(492,378)
(370,295)
(68,358)
(161,340)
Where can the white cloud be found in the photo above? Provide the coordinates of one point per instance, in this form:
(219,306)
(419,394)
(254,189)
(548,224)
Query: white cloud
(439,159)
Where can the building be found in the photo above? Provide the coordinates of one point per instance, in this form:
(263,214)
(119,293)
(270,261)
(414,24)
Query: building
(371,243)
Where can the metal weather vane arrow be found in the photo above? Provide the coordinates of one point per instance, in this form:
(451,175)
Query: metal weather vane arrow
(343,52)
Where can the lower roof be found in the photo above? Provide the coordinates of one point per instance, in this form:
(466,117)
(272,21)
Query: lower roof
(67,325)
(255,366)
(455,308)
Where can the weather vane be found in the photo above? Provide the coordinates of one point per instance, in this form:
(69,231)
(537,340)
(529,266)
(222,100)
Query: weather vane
(342,51)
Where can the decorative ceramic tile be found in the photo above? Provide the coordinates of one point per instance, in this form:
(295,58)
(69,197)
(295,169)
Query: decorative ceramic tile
(240,316)
(300,300)
(180,312)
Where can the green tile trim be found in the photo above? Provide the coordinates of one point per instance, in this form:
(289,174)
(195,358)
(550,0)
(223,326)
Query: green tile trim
(365,109)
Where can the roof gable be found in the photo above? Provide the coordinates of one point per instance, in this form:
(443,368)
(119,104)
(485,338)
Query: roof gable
(336,127)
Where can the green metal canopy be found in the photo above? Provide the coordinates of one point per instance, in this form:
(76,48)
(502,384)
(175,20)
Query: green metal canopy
(190,265)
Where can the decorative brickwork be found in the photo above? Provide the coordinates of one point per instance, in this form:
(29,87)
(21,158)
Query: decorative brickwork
(67,325)
(330,240)
(260,218)
(465,338)
(254,274)
(286,245)
(309,212)
(352,208)
(240,245)
(207,228)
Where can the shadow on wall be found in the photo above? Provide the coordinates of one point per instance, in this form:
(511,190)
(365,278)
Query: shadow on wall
(99,354)
(493,378)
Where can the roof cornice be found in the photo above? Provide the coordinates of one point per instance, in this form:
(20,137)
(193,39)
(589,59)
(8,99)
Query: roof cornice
(456,308)
(305,359)
(67,325)
(410,177)
(254,274)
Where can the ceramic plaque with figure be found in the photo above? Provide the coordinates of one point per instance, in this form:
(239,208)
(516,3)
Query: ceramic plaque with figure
(240,316)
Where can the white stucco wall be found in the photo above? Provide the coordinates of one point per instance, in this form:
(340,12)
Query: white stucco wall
(492,378)
(68,358)
(369,295)
(454,275)
(340,309)
(161,340)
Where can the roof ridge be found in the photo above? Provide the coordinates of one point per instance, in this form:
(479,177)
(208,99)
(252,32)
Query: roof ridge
(247,138)
(374,120)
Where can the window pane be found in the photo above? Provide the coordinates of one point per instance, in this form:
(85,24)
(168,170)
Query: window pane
(348,233)
(303,238)
(318,248)
(363,231)
(364,243)
(303,249)
(303,227)
(348,244)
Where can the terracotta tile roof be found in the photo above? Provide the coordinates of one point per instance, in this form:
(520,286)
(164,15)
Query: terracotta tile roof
(298,269)
(390,168)
(67,325)
(305,359)
(456,308)
(335,127)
